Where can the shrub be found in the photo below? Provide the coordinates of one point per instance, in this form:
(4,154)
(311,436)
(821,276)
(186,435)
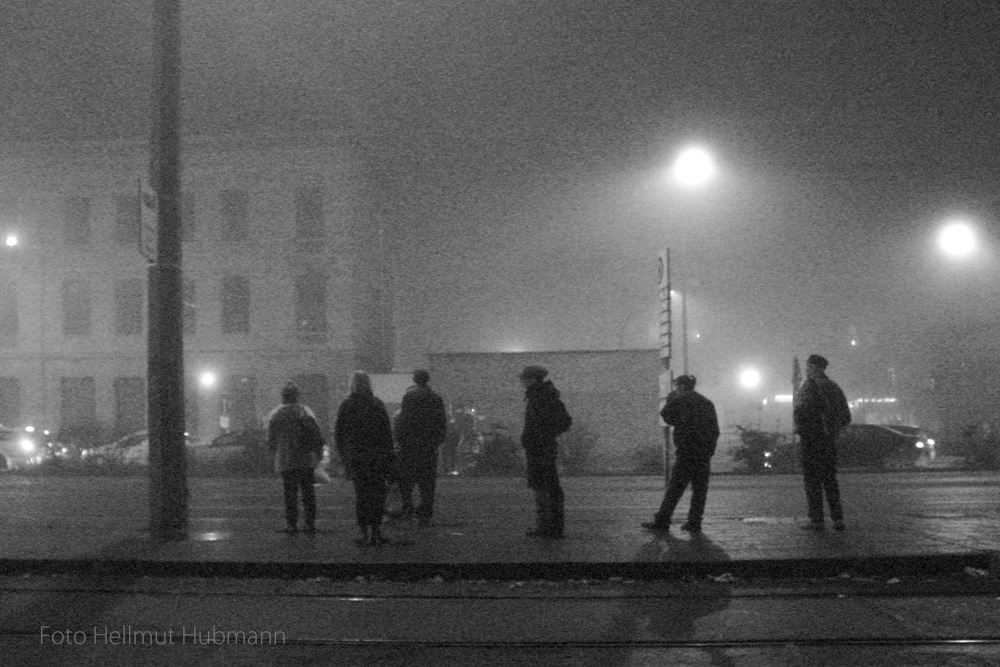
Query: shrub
(764,452)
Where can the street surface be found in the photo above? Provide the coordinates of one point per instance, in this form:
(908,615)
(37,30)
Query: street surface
(913,581)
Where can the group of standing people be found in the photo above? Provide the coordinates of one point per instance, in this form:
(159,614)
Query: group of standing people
(365,438)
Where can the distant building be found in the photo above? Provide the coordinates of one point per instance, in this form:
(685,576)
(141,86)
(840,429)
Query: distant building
(282,279)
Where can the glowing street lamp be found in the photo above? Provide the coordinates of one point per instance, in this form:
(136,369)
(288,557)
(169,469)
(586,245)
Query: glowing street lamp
(693,167)
(957,239)
(750,378)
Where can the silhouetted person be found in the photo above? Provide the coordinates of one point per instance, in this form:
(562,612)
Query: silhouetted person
(420,429)
(696,434)
(820,410)
(545,417)
(295,441)
(364,442)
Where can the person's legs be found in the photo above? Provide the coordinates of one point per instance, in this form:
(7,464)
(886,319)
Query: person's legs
(290,487)
(812,480)
(701,472)
(680,477)
(426,480)
(308,497)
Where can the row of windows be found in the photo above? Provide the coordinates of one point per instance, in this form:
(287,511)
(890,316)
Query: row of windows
(78,309)
(233,215)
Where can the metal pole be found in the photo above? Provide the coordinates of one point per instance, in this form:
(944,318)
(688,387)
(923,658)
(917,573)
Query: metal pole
(666,351)
(167,464)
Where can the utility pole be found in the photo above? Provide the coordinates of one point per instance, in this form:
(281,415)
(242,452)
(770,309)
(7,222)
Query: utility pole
(666,350)
(165,372)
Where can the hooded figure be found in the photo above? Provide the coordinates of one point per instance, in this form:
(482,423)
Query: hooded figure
(545,417)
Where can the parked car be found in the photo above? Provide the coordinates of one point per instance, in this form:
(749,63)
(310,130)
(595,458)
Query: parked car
(243,451)
(132,449)
(880,445)
(19,450)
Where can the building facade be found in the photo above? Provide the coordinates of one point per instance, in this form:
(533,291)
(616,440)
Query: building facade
(283,279)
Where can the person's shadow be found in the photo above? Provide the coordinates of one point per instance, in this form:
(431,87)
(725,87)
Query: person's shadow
(670,610)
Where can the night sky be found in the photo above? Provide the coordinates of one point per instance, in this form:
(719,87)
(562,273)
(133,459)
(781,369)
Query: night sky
(520,148)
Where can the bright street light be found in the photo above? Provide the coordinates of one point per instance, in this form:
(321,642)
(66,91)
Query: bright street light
(11,240)
(957,239)
(750,378)
(694,166)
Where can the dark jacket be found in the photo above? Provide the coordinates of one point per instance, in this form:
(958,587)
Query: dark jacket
(422,422)
(696,425)
(541,413)
(820,409)
(364,437)
(285,438)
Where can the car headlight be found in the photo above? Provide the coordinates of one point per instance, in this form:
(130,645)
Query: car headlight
(28,446)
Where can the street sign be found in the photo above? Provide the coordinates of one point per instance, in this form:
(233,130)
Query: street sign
(148,221)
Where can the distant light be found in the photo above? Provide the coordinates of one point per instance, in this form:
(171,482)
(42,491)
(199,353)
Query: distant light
(957,239)
(694,166)
(854,343)
(11,240)
(207,379)
(750,378)
(783,398)
(29,429)
(27,445)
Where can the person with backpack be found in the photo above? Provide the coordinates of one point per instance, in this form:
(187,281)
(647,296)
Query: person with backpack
(545,418)
(420,429)
(296,443)
(820,411)
(696,434)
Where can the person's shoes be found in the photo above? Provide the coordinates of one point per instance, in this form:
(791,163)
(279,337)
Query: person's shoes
(656,526)
(816,526)
(310,530)
(377,538)
(400,514)
(549,534)
(839,525)
(689,527)
(290,530)
(363,539)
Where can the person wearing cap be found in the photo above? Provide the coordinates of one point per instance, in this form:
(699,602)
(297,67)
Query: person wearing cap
(420,429)
(820,411)
(296,443)
(696,434)
(545,417)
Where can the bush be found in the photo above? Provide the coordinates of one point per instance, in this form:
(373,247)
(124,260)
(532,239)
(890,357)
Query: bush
(498,453)
(764,452)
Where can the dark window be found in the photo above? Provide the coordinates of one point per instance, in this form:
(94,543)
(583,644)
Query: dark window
(78,402)
(128,307)
(10,401)
(127,220)
(76,308)
(235,221)
(309,213)
(190,307)
(310,303)
(9,323)
(235,305)
(239,403)
(130,404)
(76,221)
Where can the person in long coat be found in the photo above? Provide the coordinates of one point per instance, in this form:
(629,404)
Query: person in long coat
(363,436)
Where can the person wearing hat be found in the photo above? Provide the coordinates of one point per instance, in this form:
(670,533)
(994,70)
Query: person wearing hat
(696,434)
(545,418)
(420,429)
(296,443)
(820,410)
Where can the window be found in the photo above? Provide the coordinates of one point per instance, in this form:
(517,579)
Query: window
(239,402)
(128,307)
(76,308)
(76,221)
(310,303)
(235,223)
(190,308)
(127,220)
(235,305)
(309,213)
(78,402)
(10,401)
(130,404)
(9,323)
